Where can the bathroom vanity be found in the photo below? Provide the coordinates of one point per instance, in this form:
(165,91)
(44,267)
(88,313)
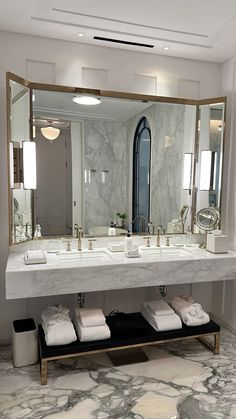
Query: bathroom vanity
(99,269)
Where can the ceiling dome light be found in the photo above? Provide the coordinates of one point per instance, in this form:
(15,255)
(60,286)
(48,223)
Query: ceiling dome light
(166,48)
(50,132)
(80,34)
(86,100)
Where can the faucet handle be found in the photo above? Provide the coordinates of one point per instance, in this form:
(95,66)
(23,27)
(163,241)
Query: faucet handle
(148,241)
(68,245)
(168,240)
(91,243)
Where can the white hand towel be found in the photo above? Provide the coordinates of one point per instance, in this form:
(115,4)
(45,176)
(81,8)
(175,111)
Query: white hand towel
(35,254)
(192,314)
(159,307)
(162,323)
(91,333)
(59,334)
(90,317)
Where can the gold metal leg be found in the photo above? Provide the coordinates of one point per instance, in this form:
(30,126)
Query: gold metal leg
(217,343)
(43,372)
(213,347)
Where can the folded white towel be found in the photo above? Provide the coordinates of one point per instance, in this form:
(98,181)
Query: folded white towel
(161,323)
(57,326)
(59,334)
(88,334)
(192,314)
(159,307)
(90,317)
(35,254)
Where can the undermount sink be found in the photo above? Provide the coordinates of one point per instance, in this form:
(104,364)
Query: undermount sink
(164,251)
(84,255)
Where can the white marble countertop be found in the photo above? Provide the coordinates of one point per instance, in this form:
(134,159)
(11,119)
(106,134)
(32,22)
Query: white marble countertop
(100,269)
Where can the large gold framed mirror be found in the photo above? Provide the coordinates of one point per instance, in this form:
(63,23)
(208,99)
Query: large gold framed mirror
(131,160)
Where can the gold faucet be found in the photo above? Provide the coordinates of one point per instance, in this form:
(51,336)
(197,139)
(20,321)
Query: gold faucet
(159,228)
(79,236)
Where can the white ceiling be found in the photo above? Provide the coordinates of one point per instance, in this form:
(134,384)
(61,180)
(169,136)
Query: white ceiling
(57,105)
(204,30)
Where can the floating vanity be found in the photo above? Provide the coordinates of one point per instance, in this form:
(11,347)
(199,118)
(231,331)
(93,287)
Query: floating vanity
(100,270)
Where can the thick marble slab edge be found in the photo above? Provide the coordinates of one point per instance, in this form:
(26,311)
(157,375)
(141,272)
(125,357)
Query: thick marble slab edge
(118,272)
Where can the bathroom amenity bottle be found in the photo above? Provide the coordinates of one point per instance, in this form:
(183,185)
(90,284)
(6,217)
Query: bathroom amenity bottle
(112,230)
(37,233)
(128,242)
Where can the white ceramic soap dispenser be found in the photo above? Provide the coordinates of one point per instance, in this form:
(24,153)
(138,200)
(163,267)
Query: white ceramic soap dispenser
(112,230)
(128,242)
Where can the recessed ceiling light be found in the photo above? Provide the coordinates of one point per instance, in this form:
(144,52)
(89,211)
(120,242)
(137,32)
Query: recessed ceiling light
(86,100)
(80,34)
(166,48)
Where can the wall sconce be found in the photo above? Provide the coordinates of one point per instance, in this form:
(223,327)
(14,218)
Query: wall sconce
(187,172)
(208,170)
(23,164)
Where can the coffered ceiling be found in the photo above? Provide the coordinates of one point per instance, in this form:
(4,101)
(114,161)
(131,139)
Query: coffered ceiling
(204,30)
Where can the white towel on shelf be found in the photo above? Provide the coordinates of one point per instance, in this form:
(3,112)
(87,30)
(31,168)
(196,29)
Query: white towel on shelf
(57,326)
(161,323)
(159,307)
(90,317)
(88,334)
(192,314)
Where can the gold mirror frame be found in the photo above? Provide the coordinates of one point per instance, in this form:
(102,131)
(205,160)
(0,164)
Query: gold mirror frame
(113,94)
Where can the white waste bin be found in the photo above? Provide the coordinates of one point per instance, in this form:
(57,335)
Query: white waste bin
(24,342)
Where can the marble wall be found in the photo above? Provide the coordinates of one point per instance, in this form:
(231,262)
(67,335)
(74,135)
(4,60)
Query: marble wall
(108,158)
(105,171)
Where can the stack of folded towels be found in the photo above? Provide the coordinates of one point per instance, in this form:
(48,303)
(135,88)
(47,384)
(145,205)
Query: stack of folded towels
(91,325)
(160,316)
(191,313)
(57,326)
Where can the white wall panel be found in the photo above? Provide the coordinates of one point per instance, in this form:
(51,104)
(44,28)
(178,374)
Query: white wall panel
(94,78)
(144,84)
(40,71)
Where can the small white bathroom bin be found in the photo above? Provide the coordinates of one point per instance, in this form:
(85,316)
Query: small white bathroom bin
(24,342)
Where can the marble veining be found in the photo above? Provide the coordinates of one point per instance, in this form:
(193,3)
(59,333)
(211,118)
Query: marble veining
(179,381)
(116,272)
(106,157)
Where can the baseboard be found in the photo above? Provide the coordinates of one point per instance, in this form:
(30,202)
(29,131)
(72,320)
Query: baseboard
(222,323)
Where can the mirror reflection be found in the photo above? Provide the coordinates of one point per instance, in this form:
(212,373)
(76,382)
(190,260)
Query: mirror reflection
(120,162)
(110,166)
(210,155)
(21,205)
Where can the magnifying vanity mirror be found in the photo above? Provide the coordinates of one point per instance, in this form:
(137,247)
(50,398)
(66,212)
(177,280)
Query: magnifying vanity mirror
(207,219)
(132,160)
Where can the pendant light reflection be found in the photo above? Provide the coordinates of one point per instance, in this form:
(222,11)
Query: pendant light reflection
(50,133)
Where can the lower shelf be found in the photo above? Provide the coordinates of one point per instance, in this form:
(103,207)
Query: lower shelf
(143,336)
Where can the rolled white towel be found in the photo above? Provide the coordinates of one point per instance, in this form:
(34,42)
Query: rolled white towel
(91,333)
(59,334)
(162,323)
(192,314)
(159,307)
(90,317)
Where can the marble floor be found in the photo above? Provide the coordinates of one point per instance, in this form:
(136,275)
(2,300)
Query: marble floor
(181,380)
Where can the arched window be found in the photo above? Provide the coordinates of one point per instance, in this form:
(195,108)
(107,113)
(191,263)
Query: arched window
(141,175)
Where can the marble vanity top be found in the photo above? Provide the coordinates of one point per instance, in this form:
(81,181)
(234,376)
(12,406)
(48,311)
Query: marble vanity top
(100,269)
